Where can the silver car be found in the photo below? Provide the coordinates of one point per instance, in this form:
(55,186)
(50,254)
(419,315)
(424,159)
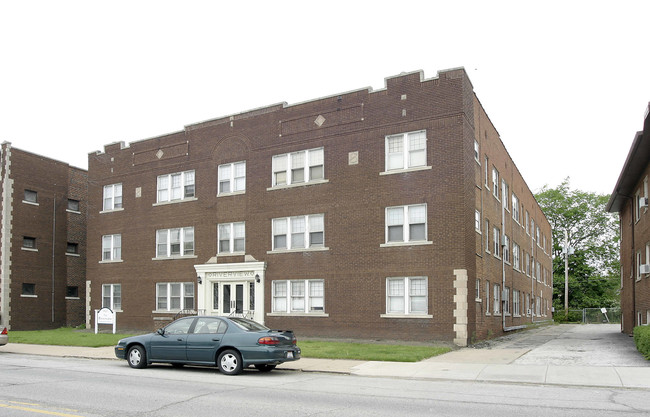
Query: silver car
(4,337)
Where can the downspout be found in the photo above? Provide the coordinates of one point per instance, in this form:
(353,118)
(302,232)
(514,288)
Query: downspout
(53,250)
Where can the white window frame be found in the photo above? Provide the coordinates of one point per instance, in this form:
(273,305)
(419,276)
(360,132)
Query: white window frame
(407,296)
(516,260)
(487,298)
(112,244)
(516,306)
(505,189)
(114,294)
(406,223)
(495,182)
(487,235)
(638,265)
(496,302)
(506,300)
(235,234)
(487,172)
(165,189)
(477,151)
(184,294)
(112,197)
(506,249)
(527,223)
(287,163)
(478,290)
(288,301)
(164,237)
(515,208)
(313,224)
(496,240)
(477,221)
(228,174)
(402,161)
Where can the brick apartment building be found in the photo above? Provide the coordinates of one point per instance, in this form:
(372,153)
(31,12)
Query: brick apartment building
(42,241)
(630,200)
(388,214)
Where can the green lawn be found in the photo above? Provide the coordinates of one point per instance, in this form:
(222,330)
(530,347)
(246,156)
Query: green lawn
(310,348)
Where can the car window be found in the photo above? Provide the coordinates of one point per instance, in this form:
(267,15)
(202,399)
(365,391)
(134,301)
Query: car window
(181,326)
(249,325)
(209,326)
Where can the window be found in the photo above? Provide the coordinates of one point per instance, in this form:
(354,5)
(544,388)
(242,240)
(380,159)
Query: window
(639,262)
(477,220)
(174,187)
(527,223)
(112,296)
(232,237)
(173,296)
(72,248)
(406,150)
(405,296)
(72,292)
(497,299)
(537,236)
(111,247)
(29,290)
(505,190)
(506,300)
(487,297)
(528,304)
(506,249)
(29,242)
(232,178)
(532,227)
(298,232)
(515,208)
(487,176)
(476,151)
(478,289)
(516,263)
(637,205)
(298,167)
(406,223)
(31,197)
(496,238)
(527,260)
(175,242)
(516,310)
(299,296)
(73,205)
(487,235)
(112,197)
(495,182)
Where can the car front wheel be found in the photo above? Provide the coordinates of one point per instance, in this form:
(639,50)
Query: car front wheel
(265,368)
(229,362)
(137,357)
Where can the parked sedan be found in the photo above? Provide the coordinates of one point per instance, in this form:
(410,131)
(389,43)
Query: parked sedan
(4,337)
(230,343)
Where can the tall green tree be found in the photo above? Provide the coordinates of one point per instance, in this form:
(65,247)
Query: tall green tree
(593,233)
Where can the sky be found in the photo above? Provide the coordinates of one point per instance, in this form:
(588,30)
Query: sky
(566,83)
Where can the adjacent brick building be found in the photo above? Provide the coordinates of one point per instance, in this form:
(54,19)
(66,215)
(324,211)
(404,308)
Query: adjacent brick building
(42,241)
(630,200)
(388,214)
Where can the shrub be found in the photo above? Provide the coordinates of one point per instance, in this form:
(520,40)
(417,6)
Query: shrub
(642,340)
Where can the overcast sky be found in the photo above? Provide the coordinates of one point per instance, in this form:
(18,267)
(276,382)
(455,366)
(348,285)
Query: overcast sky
(566,83)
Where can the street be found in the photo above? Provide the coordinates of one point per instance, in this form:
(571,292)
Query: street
(37,385)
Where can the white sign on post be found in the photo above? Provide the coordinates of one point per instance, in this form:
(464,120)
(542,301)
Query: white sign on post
(105,316)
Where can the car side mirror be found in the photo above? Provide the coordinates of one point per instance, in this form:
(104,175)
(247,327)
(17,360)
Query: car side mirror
(161,331)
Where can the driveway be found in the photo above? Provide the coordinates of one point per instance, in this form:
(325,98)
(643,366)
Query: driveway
(564,344)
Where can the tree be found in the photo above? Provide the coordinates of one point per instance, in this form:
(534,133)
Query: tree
(593,233)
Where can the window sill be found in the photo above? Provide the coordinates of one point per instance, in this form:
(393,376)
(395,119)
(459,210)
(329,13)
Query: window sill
(406,316)
(167,258)
(28,296)
(231,194)
(73,211)
(112,210)
(166,203)
(488,314)
(166,312)
(318,315)
(72,298)
(403,171)
(478,300)
(116,261)
(300,184)
(29,249)
(76,255)
(225,254)
(318,249)
(31,203)
(397,244)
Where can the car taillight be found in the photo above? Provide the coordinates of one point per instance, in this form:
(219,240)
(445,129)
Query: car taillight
(294,340)
(4,331)
(268,340)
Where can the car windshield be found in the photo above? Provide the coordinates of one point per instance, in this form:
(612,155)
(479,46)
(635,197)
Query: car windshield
(249,325)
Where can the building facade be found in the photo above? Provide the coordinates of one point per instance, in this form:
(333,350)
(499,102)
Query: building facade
(388,214)
(630,200)
(42,241)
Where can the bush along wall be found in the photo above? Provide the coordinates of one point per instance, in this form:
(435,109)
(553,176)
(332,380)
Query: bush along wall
(642,340)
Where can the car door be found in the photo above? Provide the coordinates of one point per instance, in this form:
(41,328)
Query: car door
(203,342)
(170,343)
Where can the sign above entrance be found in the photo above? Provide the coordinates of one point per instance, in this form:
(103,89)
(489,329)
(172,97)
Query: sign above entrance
(231,274)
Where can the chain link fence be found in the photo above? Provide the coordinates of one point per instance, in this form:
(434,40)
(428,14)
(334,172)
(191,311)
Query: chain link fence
(594,315)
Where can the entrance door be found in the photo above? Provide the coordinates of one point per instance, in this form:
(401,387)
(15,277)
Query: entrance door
(233,298)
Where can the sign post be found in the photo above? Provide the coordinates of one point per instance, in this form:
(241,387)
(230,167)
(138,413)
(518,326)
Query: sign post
(105,316)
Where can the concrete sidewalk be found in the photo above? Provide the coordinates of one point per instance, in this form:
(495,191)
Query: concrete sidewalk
(506,362)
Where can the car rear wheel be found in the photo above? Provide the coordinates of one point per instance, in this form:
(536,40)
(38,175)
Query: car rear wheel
(265,368)
(229,362)
(137,357)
